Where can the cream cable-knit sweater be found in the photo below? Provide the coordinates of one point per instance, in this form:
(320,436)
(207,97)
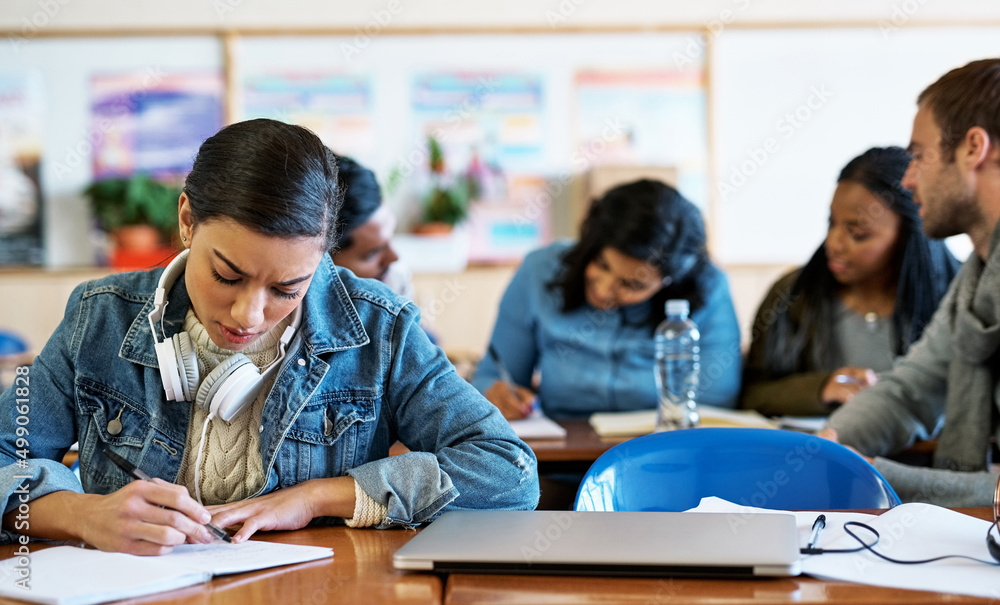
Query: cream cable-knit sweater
(231,465)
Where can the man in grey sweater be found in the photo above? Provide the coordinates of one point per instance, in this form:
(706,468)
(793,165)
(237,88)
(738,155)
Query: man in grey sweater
(947,385)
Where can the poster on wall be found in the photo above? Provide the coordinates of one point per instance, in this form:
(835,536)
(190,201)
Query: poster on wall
(489,143)
(489,117)
(337,107)
(153,122)
(22,113)
(642,117)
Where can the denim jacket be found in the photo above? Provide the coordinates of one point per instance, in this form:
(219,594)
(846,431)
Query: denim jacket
(591,360)
(359,375)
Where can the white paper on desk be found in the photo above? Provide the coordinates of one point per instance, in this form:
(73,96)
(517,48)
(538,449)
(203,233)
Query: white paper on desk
(537,426)
(67,575)
(909,531)
(641,422)
(803,520)
(917,531)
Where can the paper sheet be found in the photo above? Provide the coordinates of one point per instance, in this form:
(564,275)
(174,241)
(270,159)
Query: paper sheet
(909,531)
(68,575)
(537,426)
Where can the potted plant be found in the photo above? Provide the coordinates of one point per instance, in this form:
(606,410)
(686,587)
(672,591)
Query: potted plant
(447,203)
(139,214)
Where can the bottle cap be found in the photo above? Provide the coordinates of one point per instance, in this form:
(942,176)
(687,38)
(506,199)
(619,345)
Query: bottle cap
(678,307)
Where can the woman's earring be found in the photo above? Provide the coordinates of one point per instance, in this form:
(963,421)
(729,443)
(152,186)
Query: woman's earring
(667,281)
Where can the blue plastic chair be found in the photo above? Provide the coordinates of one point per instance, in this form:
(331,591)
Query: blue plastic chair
(12,344)
(765,468)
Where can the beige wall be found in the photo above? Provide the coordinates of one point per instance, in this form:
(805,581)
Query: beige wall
(546,15)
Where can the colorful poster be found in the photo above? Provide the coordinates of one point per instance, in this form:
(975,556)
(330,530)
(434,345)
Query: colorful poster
(22,111)
(337,107)
(152,122)
(655,118)
(494,119)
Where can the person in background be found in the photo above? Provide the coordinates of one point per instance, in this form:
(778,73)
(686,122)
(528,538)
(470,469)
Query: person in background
(583,314)
(367,227)
(947,384)
(827,329)
(146,365)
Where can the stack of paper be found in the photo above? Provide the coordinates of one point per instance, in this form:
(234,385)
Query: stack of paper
(67,575)
(641,422)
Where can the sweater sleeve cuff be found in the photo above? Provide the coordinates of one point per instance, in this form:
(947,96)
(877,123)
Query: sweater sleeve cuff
(367,512)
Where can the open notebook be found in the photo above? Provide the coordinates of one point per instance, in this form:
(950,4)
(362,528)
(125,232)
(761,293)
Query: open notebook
(68,575)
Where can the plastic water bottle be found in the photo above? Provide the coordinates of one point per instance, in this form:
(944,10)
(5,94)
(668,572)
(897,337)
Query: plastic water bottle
(677,365)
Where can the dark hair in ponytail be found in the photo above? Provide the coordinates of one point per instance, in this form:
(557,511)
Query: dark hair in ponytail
(275,178)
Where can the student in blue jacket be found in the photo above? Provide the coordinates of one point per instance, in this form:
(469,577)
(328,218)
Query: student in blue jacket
(253,376)
(582,314)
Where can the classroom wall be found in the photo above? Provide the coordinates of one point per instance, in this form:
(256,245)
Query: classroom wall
(763,59)
(435,14)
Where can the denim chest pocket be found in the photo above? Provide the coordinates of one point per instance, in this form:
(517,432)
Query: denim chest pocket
(330,436)
(111,420)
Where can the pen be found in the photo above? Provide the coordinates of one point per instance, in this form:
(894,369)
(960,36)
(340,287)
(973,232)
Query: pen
(818,526)
(136,472)
(505,376)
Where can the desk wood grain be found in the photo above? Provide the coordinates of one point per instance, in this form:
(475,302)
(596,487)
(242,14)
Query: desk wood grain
(468,589)
(360,572)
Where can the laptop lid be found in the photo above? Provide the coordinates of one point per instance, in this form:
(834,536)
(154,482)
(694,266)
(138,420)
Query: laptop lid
(606,543)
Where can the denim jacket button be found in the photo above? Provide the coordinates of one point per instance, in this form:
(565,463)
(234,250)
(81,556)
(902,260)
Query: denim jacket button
(260,429)
(302,362)
(114,427)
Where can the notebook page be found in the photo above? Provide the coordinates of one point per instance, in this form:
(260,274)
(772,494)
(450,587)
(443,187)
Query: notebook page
(220,558)
(68,575)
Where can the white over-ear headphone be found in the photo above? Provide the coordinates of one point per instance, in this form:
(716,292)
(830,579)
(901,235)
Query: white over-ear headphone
(232,386)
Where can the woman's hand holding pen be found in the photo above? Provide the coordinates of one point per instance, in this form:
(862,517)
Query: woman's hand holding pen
(514,401)
(142,518)
(847,382)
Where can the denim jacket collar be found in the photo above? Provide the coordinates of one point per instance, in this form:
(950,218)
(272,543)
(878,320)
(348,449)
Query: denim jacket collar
(330,321)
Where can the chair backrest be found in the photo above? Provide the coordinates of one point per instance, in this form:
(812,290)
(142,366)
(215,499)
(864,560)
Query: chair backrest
(765,468)
(11,344)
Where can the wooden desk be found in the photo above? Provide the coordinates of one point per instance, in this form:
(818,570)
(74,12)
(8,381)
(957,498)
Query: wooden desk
(465,589)
(360,572)
(581,444)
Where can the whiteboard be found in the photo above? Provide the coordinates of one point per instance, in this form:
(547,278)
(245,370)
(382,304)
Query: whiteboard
(66,66)
(851,89)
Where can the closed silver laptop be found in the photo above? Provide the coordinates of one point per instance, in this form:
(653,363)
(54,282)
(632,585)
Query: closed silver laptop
(606,543)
